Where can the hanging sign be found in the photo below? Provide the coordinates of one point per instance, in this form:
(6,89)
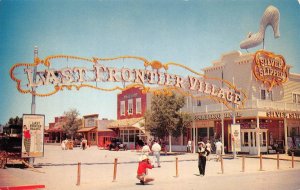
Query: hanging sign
(236,137)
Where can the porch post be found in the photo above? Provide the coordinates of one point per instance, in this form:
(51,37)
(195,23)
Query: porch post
(194,137)
(194,131)
(257,135)
(285,136)
(222,123)
(207,136)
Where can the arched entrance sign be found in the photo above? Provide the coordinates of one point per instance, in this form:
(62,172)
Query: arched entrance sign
(99,74)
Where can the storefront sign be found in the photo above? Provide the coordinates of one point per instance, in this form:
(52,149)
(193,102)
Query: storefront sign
(270,68)
(236,137)
(99,76)
(216,116)
(33,136)
(279,114)
(204,123)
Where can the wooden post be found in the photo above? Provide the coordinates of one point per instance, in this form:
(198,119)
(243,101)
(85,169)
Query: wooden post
(292,159)
(176,167)
(260,163)
(78,173)
(243,164)
(222,165)
(115,169)
(277,160)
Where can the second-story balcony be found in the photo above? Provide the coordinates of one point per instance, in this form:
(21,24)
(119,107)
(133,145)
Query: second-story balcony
(249,105)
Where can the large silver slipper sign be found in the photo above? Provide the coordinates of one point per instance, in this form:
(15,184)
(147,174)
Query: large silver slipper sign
(270,17)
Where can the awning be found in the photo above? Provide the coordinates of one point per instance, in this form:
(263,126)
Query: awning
(86,129)
(126,123)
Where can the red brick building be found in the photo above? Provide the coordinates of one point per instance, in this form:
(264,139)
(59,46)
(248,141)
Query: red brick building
(131,106)
(55,131)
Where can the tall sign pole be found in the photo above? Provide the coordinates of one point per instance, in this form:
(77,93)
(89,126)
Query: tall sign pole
(33,105)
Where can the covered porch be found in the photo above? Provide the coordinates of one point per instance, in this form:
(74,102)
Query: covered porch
(131,131)
(90,134)
(55,135)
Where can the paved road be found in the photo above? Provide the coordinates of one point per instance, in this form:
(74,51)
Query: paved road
(60,169)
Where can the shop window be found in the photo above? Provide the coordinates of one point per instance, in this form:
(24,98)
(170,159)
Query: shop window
(138,105)
(269,95)
(263,94)
(90,122)
(246,140)
(266,95)
(296,98)
(122,107)
(93,136)
(131,138)
(130,107)
(125,138)
(199,103)
(264,139)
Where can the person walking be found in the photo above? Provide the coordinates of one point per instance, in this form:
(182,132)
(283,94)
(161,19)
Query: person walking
(142,175)
(83,143)
(156,148)
(146,150)
(219,146)
(208,148)
(202,152)
(189,146)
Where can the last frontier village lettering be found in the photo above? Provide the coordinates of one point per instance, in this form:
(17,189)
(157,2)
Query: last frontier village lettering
(100,73)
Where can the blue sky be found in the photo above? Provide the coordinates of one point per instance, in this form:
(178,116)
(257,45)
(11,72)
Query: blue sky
(193,33)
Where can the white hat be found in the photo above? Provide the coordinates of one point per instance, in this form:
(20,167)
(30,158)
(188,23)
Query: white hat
(143,157)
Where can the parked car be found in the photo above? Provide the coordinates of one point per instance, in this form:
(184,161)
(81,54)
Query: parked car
(117,144)
(295,150)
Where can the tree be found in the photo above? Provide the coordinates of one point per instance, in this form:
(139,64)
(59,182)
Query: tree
(164,119)
(72,122)
(13,125)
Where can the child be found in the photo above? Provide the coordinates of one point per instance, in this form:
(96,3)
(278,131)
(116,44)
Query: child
(142,170)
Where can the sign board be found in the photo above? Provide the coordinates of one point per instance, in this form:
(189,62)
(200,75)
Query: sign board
(33,135)
(236,137)
(269,68)
(151,76)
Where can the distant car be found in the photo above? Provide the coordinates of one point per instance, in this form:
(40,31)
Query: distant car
(295,150)
(117,144)
(77,143)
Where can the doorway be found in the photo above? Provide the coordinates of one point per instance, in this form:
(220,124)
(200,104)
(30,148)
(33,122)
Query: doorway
(249,140)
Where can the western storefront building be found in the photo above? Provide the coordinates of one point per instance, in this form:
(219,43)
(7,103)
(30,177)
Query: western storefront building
(270,117)
(131,107)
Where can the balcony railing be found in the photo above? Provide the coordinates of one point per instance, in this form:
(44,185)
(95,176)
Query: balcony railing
(251,104)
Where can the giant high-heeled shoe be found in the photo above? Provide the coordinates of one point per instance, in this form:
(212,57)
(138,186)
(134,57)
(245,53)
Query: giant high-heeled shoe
(271,17)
